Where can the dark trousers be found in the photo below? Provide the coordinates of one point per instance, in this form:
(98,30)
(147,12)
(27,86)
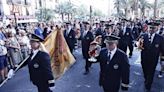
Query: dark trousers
(148,75)
(43,88)
(130,45)
(87,65)
(124,46)
(110,89)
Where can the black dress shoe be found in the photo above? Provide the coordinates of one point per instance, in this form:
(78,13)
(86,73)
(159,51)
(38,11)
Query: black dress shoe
(86,72)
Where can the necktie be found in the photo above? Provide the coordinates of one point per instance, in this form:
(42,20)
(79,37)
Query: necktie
(150,38)
(109,54)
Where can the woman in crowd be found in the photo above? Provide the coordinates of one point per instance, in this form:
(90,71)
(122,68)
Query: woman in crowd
(24,43)
(14,49)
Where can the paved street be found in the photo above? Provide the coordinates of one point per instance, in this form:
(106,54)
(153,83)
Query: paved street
(74,80)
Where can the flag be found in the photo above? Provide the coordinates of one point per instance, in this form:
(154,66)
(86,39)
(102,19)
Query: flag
(61,57)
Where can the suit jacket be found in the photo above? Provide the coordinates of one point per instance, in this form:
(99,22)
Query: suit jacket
(98,32)
(151,51)
(135,32)
(70,38)
(127,37)
(86,40)
(115,72)
(40,69)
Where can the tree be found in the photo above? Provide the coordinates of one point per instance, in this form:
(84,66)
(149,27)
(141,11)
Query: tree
(82,11)
(143,4)
(126,5)
(117,6)
(45,14)
(97,13)
(65,8)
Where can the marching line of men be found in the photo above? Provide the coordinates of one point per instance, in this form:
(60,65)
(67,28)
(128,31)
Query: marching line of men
(116,38)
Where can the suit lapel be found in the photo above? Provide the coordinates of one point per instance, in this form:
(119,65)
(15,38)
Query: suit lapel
(114,57)
(35,57)
(154,39)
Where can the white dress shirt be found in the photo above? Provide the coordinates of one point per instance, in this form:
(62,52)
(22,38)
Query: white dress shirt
(152,37)
(85,33)
(112,52)
(34,53)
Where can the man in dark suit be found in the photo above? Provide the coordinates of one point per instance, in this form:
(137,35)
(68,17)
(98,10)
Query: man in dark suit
(114,66)
(100,29)
(153,45)
(126,39)
(86,39)
(107,32)
(69,35)
(39,66)
(135,31)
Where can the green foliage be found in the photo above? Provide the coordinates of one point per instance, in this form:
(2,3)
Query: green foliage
(45,14)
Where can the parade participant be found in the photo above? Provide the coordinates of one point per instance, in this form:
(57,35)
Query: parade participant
(86,39)
(107,32)
(161,32)
(135,31)
(152,46)
(100,28)
(39,66)
(69,35)
(126,38)
(114,66)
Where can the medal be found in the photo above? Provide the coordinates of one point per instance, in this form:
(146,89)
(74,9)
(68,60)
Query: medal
(157,45)
(108,62)
(115,66)
(36,65)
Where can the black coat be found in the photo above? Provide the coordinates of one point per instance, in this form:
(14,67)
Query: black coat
(150,53)
(98,32)
(117,71)
(127,37)
(86,40)
(135,33)
(70,39)
(40,69)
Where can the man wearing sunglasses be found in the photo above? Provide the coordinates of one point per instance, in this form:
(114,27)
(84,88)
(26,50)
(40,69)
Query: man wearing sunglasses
(153,45)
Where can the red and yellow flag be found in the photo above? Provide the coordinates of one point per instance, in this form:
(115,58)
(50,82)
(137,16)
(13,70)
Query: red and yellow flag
(61,57)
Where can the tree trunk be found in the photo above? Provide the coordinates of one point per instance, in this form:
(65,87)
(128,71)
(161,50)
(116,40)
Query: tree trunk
(68,16)
(155,8)
(126,12)
(62,16)
(118,7)
(143,12)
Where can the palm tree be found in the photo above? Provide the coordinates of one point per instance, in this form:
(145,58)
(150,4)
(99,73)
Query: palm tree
(128,6)
(158,4)
(155,8)
(143,4)
(117,6)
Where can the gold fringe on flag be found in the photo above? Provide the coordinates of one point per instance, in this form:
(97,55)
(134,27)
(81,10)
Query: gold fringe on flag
(61,57)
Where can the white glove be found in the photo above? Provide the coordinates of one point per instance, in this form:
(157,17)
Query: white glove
(52,88)
(10,73)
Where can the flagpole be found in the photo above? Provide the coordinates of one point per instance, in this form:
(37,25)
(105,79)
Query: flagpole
(20,65)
